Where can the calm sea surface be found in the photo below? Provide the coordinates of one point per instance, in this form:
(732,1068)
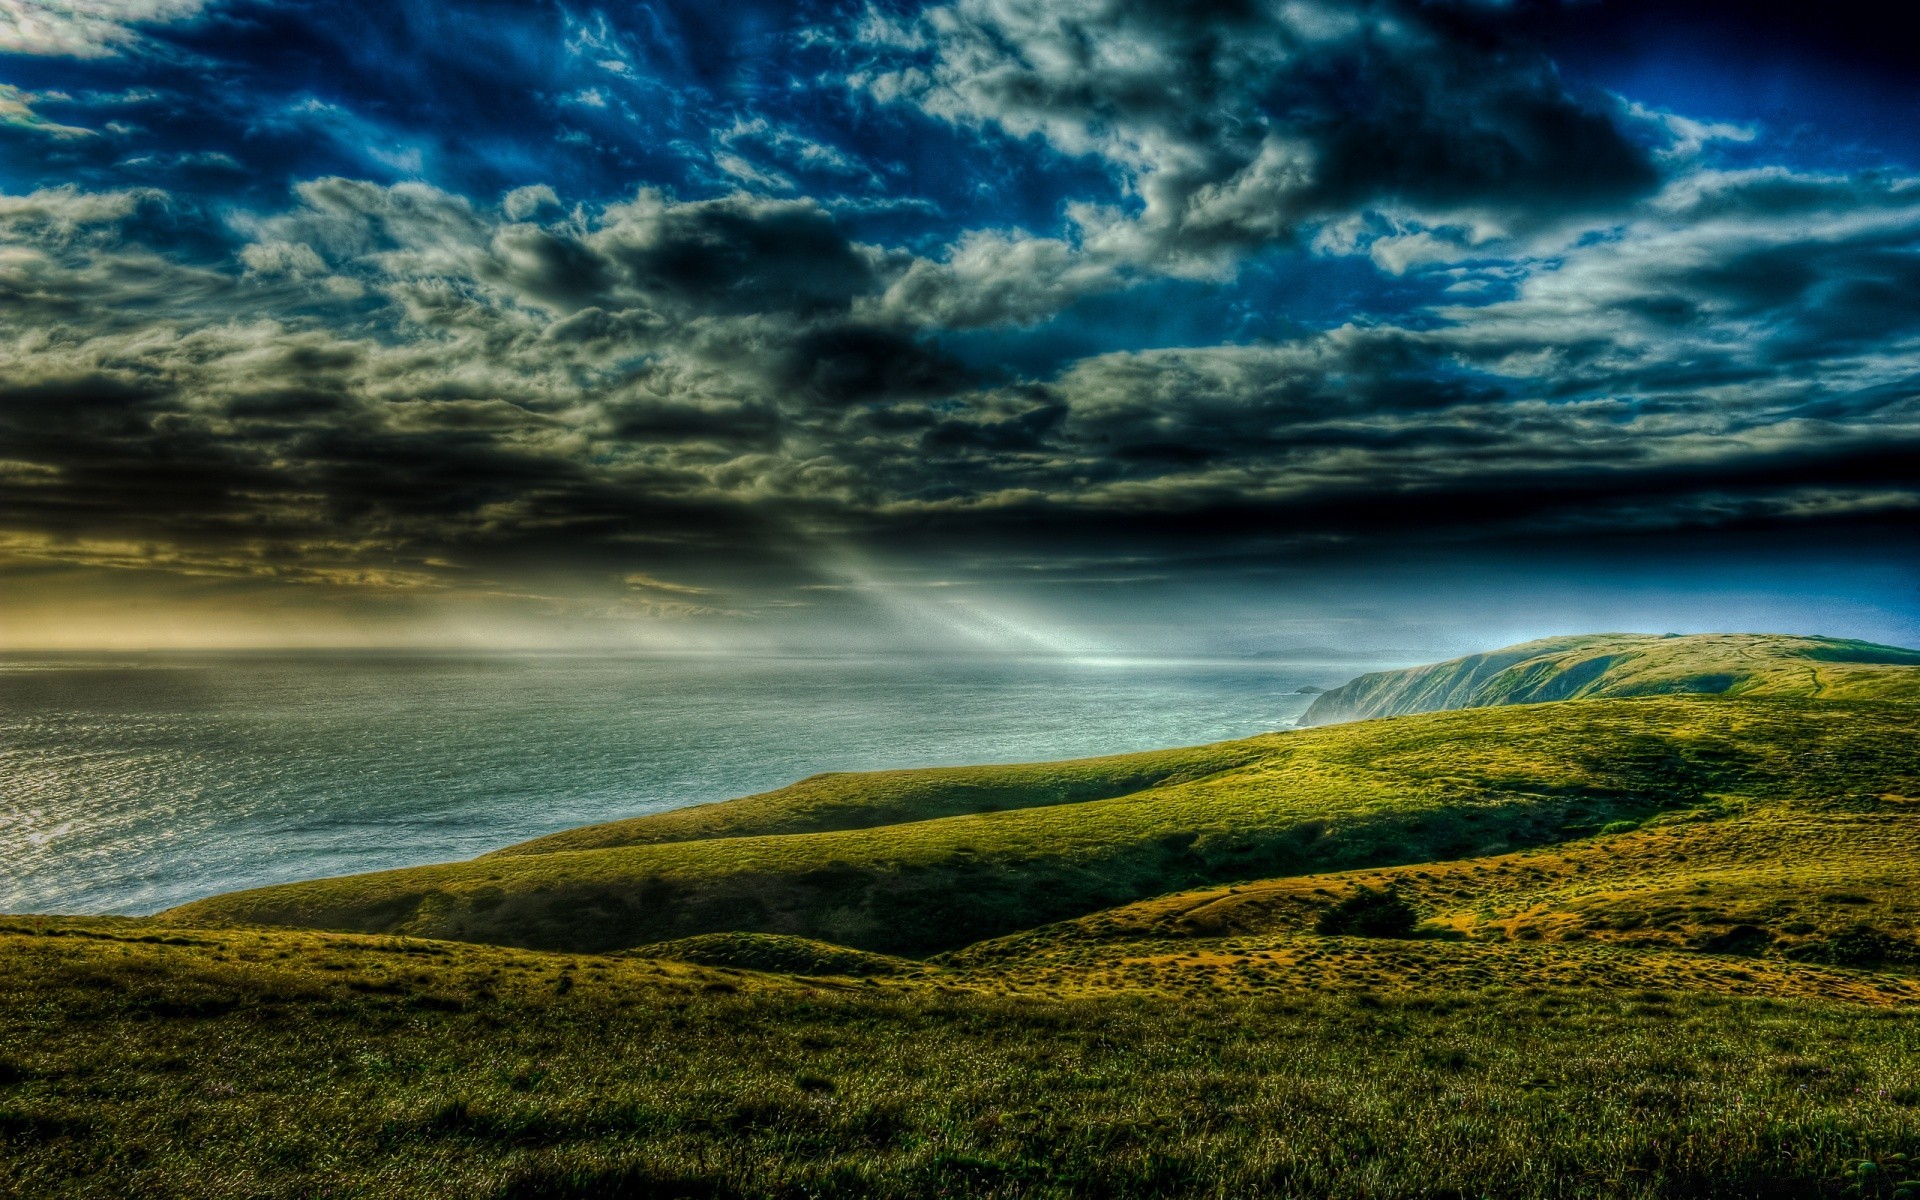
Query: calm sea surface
(131,783)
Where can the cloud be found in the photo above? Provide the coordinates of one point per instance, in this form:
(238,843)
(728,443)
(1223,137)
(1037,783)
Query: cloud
(1742,352)
(486,404)
(641,581)
(523,202)
(1686,138)
(394,384)
(56,216)
(1748,277)
(295,259)
(760,153)
(1146,287)
(736,255)
(16,109)
(1232,127)
(988,277)
(84,28)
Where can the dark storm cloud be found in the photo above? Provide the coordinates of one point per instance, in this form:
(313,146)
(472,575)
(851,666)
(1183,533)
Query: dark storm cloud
(480,413)
(848,364)
(479,405)
(400,378)
(1234,126)
(733,256)
(741,256)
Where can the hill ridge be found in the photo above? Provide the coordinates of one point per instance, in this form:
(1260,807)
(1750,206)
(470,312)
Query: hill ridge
(1625,665)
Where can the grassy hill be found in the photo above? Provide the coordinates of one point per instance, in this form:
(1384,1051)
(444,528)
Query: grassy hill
(1807,897)
(1431,787)
(1642,947)
(839,801)
(1614,665)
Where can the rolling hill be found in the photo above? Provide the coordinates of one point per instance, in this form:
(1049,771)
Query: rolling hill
(1618,665)
(838,801)
(1655,945)
(1446,785)
(1756,897)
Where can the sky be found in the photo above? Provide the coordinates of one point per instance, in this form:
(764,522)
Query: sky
(1087,327)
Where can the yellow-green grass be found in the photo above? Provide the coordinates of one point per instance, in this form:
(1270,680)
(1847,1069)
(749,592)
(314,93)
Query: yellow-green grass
(1616,665)
(1415,789)
(142,1059)
(1790,878)
(782,954)
(1278,965)
(841,801)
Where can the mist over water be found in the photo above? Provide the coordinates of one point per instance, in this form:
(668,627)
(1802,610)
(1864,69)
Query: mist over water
(131,783)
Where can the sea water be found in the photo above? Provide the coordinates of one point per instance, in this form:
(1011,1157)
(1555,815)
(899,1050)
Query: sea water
(130,783)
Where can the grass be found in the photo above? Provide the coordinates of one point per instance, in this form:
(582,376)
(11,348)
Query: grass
(1438,786)
(783,954)
(142,1059)
(840,801)
(1793,879)
(1616,665)
(1654,947)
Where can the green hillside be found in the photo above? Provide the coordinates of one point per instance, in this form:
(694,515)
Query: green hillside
(1613,947)
(1615,665)
(1437,786)
(838,801)
(1814,895)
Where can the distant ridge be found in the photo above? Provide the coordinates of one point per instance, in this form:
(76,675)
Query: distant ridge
(1617,665)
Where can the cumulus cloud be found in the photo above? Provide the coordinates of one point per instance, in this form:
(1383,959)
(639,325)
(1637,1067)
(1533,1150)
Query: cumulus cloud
(659,366)
(734,255)
(1746,349)
(991,277)
(1753,276)
(1233,127)
(1411,134)
(523,202)
(738,255)
(395,384)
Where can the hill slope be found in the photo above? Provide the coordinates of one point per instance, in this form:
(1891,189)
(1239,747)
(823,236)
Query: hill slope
(1616,665)
(1437,786)
(1755,896)
(841,801)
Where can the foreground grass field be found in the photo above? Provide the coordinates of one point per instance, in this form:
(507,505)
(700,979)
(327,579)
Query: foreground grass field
(142,1060)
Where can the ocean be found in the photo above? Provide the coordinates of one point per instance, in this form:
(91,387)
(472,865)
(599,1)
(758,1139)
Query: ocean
(130,783)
